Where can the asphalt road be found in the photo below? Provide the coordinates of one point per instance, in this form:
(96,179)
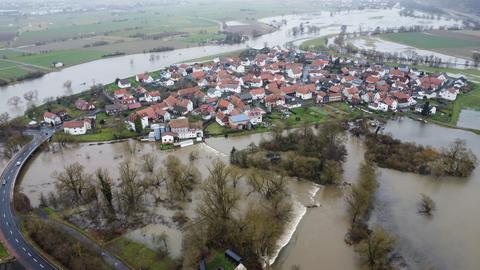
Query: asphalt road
(9,228)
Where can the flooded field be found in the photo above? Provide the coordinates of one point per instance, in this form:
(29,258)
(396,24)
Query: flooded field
(469,119)
(448,240)
(380,45)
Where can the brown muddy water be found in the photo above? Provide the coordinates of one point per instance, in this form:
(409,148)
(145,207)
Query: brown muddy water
(451,238)
(448,240)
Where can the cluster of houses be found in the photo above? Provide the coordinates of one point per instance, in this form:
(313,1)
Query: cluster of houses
(237,92)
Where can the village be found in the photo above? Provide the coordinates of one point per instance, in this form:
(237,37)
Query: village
(175,105)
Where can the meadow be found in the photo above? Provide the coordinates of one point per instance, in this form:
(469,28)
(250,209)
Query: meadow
(455,43)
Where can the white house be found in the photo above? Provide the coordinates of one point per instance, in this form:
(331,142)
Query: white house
(144,77)
(448,94)
(124,83)
(51,118)
(153,96)
(168,137)
(77,127)
(378,106)
(185,129)
(214,93)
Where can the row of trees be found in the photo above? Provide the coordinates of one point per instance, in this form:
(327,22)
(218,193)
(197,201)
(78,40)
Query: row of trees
(373,246)
(454,160)
(125,200)
(220,224)
(71,253)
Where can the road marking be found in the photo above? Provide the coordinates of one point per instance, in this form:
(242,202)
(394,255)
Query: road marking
(35,260)
(24,249)
(29,255)
(41,265)
(11,232)
(16,240)
(4,214)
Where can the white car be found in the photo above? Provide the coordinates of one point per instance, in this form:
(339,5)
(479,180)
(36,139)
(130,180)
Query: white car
(18,163)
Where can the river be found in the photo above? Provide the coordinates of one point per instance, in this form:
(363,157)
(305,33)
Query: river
(107,70)
(451,238)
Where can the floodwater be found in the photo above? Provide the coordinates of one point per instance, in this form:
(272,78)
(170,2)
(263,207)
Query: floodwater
(107,70)
(451,238)
(381,45)
(319,238)
(469,119)
(448,240)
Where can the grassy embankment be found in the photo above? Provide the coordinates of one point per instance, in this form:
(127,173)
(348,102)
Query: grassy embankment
(298,116)
(138,256)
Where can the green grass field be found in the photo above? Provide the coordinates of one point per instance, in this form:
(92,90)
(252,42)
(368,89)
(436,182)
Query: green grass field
(139,256)
(69,57)
(219,261)
(3,252)
(429,41)
(317,44)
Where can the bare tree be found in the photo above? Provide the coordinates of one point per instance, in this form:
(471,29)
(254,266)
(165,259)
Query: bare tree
(105,182)
(67,84)
(181,178)
(14,101)
(131,188)
(427,205)
(149,161)
(4,117)
(30,95)
(72,182)
(219,197)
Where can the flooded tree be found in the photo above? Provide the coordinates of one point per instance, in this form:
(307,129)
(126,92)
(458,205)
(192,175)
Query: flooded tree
(30,95)
(72,183)
(131,190)
(14,101)
(105,183)
(457,160)
(427,205)
(374,250)
(149,160)
(180,178)
(4,117)
(219,198)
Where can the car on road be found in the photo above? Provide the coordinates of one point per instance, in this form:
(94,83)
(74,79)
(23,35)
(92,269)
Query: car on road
(4,182)
(18,163)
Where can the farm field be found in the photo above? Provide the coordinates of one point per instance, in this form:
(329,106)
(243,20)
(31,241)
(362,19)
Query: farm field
(14,65)
(455,43)
(75,38)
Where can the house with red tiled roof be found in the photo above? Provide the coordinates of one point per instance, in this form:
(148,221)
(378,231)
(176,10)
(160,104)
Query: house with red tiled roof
(225,106)
(274,100)
(77,127)
(186,129)
(257,93)
(144,77)
(305,91)
(51,118)
(120,93)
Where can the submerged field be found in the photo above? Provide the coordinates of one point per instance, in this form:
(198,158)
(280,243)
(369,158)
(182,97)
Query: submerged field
(455,43)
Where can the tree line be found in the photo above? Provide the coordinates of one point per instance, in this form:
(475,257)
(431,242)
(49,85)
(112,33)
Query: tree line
(454,160)
(313,154)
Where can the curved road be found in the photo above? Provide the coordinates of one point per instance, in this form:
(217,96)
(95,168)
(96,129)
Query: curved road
(9,230)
